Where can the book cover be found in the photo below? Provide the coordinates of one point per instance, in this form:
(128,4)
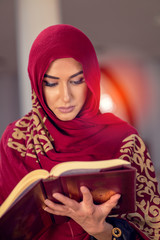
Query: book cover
(102,186)
(26,219)
(23,216)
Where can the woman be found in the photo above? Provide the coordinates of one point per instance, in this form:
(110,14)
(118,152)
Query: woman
(65,125)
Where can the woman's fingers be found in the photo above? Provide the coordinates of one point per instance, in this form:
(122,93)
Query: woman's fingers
(54,206)
(114,199)
(71,203)
(57,209)
(111,203)
(87,197)
(68,205)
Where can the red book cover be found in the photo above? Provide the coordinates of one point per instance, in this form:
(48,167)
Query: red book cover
(26,219)
(102,186)
(23,217)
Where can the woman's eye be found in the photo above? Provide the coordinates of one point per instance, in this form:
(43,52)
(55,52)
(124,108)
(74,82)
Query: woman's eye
(76,82)
(48,84)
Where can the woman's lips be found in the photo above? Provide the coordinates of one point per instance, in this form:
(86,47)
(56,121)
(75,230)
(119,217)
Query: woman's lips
(66,109)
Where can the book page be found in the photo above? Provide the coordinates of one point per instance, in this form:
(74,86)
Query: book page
(73,167)
(29,179)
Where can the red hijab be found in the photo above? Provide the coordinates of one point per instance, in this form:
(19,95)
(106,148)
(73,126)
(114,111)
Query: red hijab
(63,41)
(72,139)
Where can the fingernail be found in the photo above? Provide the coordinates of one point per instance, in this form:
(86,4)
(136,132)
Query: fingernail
(83,188)
(55,195)
(118,196)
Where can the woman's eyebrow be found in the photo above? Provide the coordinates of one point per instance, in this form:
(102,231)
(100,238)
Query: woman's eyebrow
(49,76)
(72,76)
(76,74)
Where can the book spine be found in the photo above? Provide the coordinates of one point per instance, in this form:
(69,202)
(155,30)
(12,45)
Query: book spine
(45,196)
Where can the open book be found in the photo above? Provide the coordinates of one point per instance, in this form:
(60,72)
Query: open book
(25,203)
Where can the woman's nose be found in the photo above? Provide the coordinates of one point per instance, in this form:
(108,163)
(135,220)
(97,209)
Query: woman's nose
(65,93)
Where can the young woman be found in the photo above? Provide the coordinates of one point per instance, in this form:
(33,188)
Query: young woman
(65,125)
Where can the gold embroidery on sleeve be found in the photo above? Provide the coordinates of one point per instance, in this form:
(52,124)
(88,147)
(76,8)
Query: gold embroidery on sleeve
(147,200)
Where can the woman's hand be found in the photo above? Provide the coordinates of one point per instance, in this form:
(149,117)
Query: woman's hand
(89,216)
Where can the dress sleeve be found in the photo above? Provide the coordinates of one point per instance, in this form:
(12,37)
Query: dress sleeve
(146,218)
(5,169)
(11,167)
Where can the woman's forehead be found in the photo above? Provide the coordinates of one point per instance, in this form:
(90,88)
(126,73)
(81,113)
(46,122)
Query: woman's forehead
(63,64)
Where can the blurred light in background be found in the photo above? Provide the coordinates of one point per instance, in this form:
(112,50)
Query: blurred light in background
(125,88)
(106,103)
(130,89)
(113,97)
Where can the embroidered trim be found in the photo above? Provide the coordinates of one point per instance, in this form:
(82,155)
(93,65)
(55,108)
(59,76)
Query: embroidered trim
(30,135)
(147,201)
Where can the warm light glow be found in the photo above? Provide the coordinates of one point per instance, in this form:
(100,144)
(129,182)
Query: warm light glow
(106,103)
(114,97)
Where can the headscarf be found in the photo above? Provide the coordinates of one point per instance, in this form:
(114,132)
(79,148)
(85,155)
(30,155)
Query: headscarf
(71,139)
(63,41)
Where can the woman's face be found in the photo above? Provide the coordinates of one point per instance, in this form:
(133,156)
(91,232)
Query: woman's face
(64,88)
